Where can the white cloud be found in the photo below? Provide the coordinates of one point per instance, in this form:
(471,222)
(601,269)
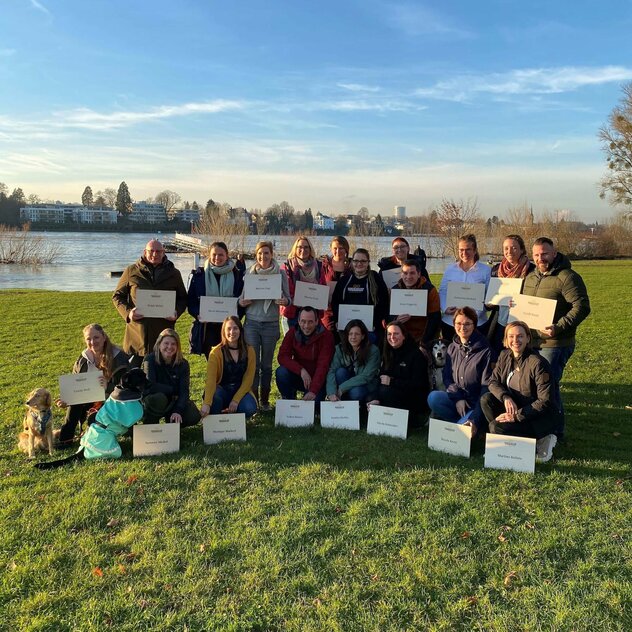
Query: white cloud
(40,7)
(89,119)
(362,105)
(415,20)
(526,81)
(358,87)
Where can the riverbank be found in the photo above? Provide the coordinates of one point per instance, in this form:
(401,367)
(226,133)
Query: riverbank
(318,529)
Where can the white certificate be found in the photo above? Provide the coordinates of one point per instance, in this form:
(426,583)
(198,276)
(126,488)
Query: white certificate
(155,439)
(312,294)
(257,286)
(466,295)
(293,413)
(413,302)
(81,388)
(214,309)
(503,452)
(344,415)
(224,427)
(449,437)
(156,303)
(500,291)
(388,421)
(538,313)
(350,312)
(391,277)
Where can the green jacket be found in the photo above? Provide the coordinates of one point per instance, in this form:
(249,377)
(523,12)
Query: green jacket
(566,287)
(365,375)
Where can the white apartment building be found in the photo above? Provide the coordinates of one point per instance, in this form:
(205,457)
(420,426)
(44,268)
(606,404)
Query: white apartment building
(323,222)
(148,213)
(60,213)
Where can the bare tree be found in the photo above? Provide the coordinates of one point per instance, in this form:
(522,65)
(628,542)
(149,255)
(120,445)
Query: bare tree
(616,143)
(107,197)
(168,199)
(456,218)
(216,224)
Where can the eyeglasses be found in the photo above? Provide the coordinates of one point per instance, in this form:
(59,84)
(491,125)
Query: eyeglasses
(359,260)
(464,325)
(402,247)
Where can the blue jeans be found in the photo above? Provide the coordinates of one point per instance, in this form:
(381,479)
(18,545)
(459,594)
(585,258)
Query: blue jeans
(356,393)
(558,358)
(444,408)
(223,398)
(289,383)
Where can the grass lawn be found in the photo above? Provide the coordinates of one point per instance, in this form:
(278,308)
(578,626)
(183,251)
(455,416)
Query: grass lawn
(314,529)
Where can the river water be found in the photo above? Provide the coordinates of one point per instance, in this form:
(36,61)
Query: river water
(86,259)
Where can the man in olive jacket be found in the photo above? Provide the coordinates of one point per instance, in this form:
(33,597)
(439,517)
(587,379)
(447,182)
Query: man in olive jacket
(153,271)
(553,278)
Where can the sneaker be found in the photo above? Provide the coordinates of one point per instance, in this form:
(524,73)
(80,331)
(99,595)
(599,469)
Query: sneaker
(544,448)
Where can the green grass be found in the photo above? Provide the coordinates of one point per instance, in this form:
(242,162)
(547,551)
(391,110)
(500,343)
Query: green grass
(314,529)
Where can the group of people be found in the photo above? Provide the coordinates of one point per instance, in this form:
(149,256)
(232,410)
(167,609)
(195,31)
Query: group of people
(384,361)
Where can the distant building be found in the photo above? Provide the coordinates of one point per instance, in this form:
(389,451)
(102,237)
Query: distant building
(400,213)
(186,215)
(323,222)
(148,213)
(62,213)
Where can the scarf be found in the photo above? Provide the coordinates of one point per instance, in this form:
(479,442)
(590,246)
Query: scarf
(274,268)
(226,281)
(304,270)
(516,271)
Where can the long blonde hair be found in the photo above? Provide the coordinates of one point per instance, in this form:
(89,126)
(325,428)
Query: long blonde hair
(312,252)
(107,357)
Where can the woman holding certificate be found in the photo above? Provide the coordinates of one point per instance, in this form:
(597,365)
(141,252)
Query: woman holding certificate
(230,373)
(169,375)
(515,264)
(468,269)
(99,355)
(404,378)
(335,266)
(220,277)
(354,369)
(261,327)
(466,373)
(301,265)
(523,400)
(362,286)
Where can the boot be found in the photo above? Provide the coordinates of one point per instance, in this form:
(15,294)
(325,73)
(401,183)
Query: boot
(264,400)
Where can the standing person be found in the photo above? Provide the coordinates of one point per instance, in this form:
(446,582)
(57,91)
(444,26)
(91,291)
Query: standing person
(401,254)
(522,398)
(362,286)
(99,355)
(423,329)
(301,265)
(304,358)
(153,271)
(515,264)
(335,266)
(261,326)
(169,389)
(468,269)
(466,373)
(354,369)
(220,276)
(230,372)
(553,278)
(404,380)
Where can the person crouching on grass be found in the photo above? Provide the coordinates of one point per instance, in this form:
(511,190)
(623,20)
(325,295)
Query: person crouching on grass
(523,398)
(230,373)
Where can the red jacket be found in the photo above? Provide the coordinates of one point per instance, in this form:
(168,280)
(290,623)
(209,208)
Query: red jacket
(314,356)
(291,311)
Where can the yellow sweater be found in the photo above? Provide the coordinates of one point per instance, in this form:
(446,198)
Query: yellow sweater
(215,369)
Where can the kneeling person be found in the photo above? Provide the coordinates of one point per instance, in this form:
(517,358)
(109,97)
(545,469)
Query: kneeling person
(304,358)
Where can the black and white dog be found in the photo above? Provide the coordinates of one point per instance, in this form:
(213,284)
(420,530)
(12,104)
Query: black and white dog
(439,354)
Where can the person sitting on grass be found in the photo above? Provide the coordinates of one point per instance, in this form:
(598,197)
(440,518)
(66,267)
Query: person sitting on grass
(230,373)
(99,355)
(169,375)
(304,358)
(404,377)
(466,374)
(354,370)
(523,397)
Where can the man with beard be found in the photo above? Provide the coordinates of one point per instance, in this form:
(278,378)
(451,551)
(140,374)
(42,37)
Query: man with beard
(153,271)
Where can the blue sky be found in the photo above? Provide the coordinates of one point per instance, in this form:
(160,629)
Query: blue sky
(328,105)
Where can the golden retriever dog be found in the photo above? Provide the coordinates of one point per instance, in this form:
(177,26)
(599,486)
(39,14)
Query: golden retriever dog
(38,424)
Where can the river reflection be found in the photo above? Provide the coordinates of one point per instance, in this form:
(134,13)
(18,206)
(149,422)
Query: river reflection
(86,259)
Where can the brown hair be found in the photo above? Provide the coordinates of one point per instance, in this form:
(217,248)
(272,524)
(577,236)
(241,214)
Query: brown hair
(168,333)
(468,312)
(107,357)
(471,239)
(264,244)
(241,343)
